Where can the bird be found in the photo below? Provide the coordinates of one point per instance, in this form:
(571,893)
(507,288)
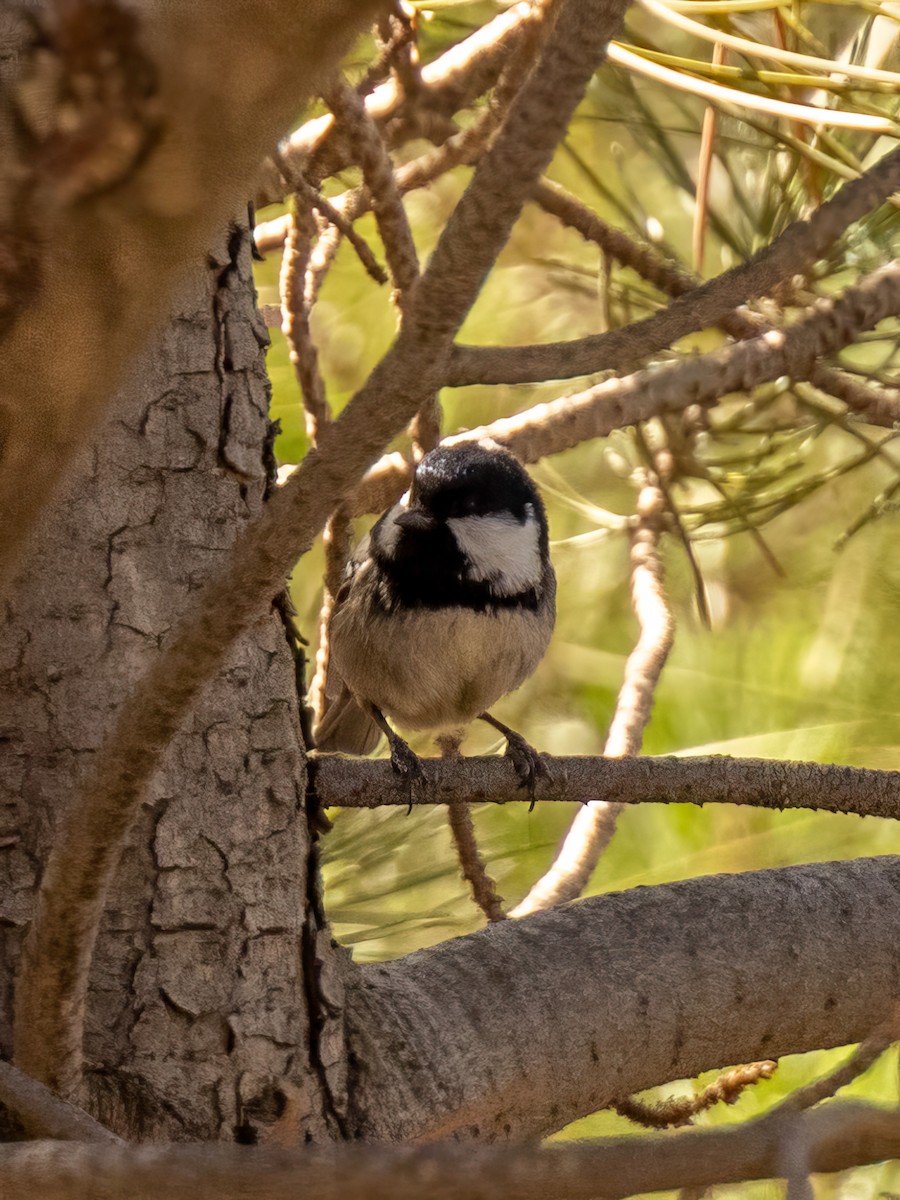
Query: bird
(447,605)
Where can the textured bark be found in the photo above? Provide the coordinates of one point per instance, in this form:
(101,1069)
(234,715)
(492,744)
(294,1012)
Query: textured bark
(517,1030)
(197,986)
(100,222)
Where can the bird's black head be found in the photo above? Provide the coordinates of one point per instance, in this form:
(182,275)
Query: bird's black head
(471,480)
(473,533)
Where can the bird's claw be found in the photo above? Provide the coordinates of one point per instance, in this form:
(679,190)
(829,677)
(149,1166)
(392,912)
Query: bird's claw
(528,764)
(408,766)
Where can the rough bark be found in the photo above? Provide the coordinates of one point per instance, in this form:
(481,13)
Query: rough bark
(197,989)
(517,1030)
(100,219)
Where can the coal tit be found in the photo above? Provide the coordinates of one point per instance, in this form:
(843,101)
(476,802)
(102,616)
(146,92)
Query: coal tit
(448,605)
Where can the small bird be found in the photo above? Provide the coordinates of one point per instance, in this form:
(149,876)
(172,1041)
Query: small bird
(448,604)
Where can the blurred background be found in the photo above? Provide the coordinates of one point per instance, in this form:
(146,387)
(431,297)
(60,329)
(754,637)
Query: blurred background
(792,508)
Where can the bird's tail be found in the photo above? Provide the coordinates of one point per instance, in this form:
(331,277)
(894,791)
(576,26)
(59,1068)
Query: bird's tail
(345,726)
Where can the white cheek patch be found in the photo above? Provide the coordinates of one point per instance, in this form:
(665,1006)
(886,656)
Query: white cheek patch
(387,533)
(501,550)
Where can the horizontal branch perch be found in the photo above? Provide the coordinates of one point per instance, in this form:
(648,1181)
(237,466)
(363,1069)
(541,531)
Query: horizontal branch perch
(762,782)
(840,1136)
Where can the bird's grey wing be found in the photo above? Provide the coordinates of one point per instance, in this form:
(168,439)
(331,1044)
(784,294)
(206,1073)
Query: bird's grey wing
(345,726)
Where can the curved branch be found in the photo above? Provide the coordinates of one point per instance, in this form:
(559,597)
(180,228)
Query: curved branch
(760,782)
(525,1026)
(794,251)
(840,1136)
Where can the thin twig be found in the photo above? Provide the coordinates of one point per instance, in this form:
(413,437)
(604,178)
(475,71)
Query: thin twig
(704,169)
(679,1110)
(462,829)
(336,539)
(865,1054)
(295,318)
(450,83)
(378,173)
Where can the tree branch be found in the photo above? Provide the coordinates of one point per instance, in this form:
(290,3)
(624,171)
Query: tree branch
(525,1026)
(673,386)
(450,83)
(760,782)
(562,424)
(44,1115)
(840,1137)
(877,406)
(794,251)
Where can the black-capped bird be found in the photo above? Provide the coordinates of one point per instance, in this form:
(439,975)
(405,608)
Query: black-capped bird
(448,604)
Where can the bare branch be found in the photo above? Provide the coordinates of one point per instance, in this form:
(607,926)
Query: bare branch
(44,1115)
(842,1136)
(466,146)
(295,316)
(593,827)
(451,82)
(859,1061)
(879,406)
(562,424)
(761,782)
(378,173)
(673,386)
(679,1110)
(794,251)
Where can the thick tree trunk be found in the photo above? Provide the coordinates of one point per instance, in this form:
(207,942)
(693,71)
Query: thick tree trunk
(197,1004)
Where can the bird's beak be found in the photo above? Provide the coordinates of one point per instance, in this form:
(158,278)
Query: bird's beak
(415,518)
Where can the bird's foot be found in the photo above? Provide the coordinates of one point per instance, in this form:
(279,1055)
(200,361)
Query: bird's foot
(404,761)
(407,764)
(528,763)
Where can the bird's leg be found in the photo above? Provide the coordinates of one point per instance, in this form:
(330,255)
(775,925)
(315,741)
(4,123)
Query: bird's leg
(528,763)
(404,761)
